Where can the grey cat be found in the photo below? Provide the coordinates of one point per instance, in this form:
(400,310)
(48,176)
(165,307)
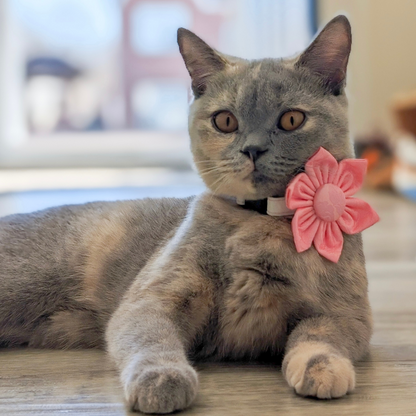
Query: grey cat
(162,282)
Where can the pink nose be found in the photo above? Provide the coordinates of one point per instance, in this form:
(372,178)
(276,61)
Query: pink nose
(329,202)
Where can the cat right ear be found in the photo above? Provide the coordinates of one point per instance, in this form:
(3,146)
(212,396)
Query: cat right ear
(327,56)
(200,59)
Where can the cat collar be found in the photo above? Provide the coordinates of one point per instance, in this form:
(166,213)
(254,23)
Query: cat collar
(320,200)
(273,206)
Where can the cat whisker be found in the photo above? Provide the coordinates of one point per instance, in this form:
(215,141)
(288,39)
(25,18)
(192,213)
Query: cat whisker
(220,183)
(219,180)
(210,161)
(225,169)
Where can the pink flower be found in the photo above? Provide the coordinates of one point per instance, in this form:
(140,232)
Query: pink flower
(322,198)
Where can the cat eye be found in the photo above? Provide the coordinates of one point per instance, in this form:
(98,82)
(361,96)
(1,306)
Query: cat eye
(291,120)
(225,121)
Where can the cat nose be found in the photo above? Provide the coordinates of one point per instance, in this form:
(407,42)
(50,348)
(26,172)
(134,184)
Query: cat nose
(253,152)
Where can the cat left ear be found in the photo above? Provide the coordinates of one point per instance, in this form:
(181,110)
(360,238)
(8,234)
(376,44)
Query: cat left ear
(200,59)
(328,54)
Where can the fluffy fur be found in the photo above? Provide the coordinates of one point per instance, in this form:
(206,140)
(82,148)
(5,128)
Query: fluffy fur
(163,282)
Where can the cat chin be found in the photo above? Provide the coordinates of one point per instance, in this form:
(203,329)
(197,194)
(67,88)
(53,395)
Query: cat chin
(242,189)
(249,187)
(245,194)
(259,193)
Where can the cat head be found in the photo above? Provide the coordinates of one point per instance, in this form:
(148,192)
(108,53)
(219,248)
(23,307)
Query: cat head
(253,124)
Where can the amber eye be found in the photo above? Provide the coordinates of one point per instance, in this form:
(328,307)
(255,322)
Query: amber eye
(225,122)
(291,120)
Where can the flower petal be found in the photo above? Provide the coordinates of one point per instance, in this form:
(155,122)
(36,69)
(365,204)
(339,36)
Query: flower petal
(321,167)
(300,192)
(304,226)
(329,241)
(350,175)
(358,216)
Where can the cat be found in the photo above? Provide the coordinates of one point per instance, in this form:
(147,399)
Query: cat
(163,282)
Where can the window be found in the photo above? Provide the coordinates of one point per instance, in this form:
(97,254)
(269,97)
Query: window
(153,26)
(101,82)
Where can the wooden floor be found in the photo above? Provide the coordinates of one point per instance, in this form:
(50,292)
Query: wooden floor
(85,383)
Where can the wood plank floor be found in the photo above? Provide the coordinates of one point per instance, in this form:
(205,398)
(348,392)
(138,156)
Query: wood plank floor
(85,383)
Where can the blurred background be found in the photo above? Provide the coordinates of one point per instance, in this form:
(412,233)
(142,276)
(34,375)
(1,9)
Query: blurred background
(94,94)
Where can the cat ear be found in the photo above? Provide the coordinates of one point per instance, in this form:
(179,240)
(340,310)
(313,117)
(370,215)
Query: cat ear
(200,59)
(328,54)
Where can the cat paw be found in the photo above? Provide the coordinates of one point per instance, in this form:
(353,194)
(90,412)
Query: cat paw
(314,369)
(162,389)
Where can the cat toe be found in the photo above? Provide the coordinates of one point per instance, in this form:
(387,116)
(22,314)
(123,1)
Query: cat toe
(319,372)
(162,389)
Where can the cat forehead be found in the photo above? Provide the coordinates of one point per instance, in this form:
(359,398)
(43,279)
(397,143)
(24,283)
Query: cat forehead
(267,77)
(266,83)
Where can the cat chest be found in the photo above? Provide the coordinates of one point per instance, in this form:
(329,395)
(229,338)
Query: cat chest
(254,314)
(260,293)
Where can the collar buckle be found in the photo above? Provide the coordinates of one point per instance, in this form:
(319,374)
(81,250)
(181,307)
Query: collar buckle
(276,207)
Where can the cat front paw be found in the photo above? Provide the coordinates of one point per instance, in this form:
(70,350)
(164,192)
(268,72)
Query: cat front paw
(314,369)
(161,389)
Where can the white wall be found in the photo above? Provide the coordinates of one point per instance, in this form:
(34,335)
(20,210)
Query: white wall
(383,59)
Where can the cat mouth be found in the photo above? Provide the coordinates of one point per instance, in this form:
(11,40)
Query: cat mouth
(261,180)
(267,185)
(259,177)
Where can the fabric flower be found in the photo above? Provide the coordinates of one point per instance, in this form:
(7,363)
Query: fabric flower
(322,198)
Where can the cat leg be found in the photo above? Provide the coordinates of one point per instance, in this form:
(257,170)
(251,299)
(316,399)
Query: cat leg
(68,329)
(320,353)
(148,337)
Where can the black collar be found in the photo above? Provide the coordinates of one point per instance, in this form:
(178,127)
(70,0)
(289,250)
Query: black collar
(273,206)
(259,206)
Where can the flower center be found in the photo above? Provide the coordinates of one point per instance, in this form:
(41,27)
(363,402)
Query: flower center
(329,202)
